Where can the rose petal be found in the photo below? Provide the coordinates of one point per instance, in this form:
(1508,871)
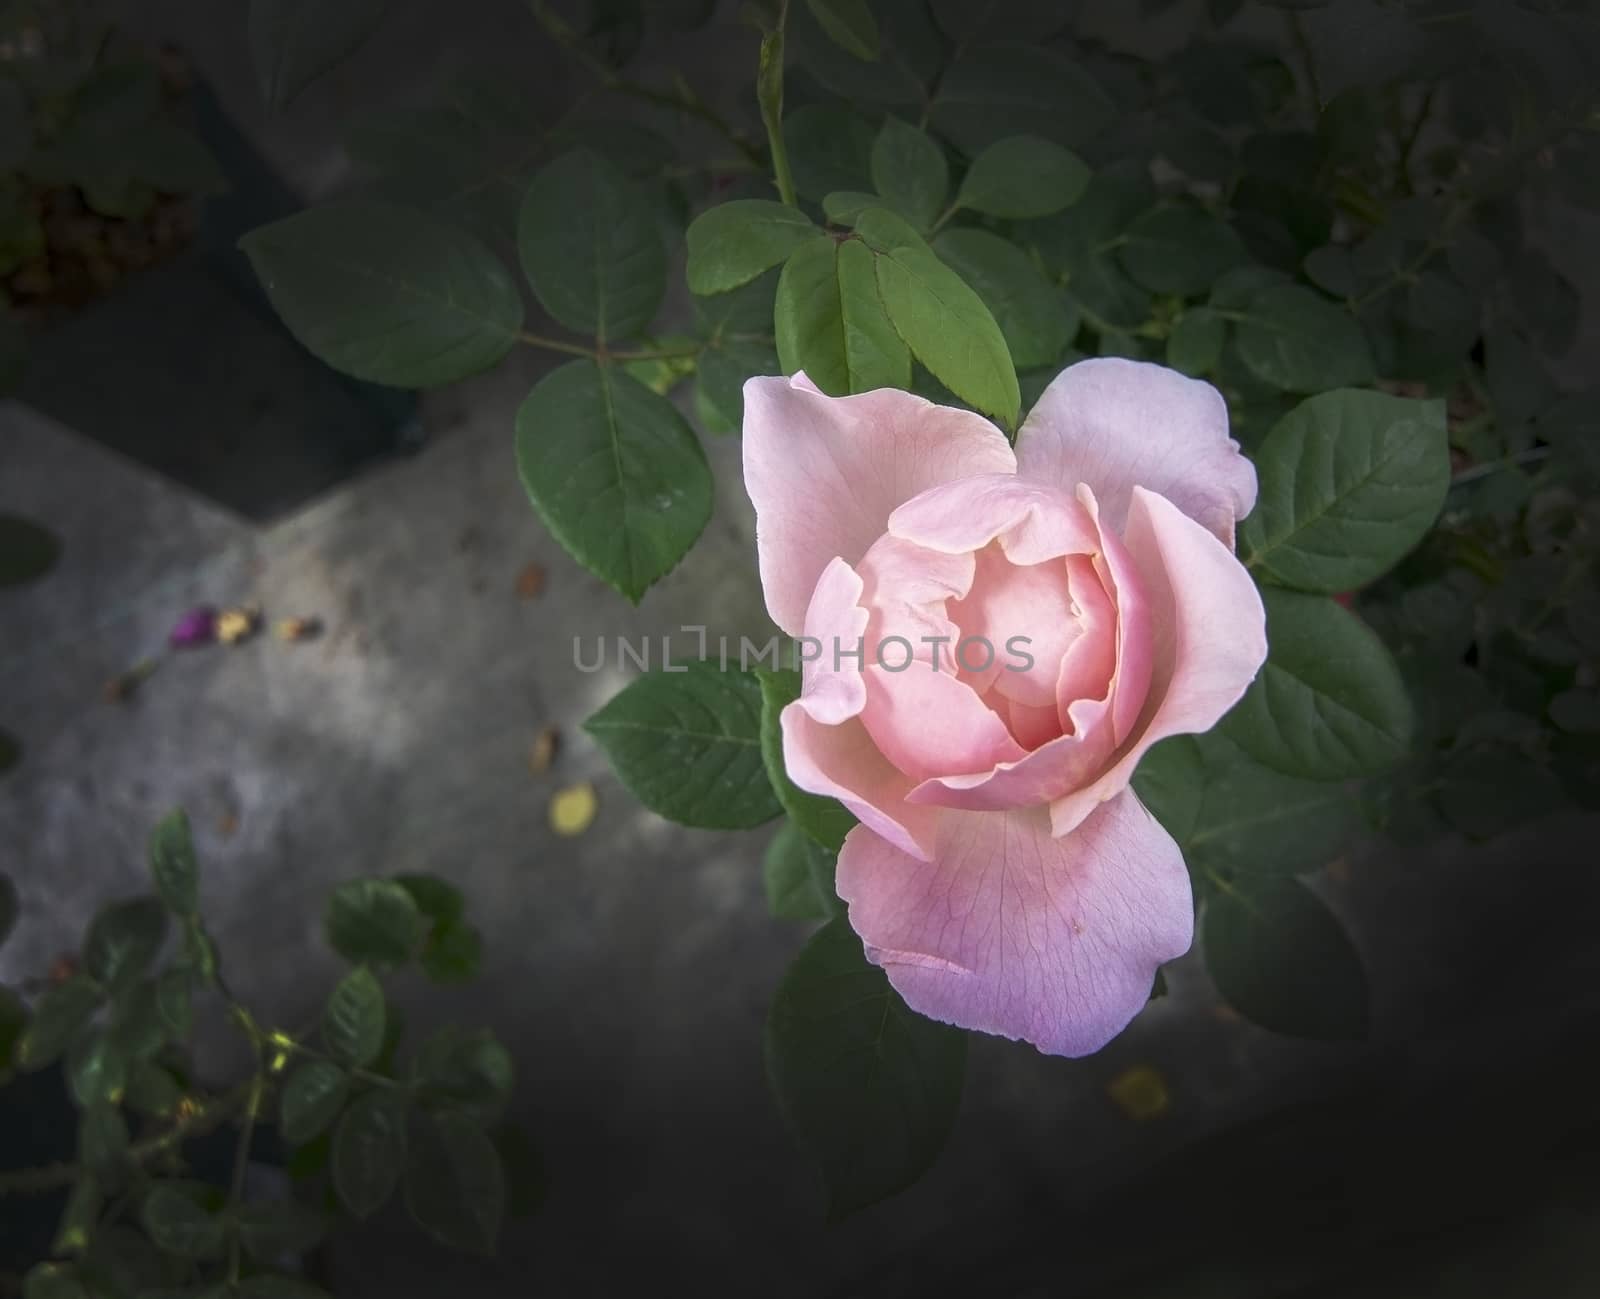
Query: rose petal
(825,473)
(928,723)
(833,690)
(1032,522)
(1090,662)
(1008,600)
(1118,424)
(1049,772)
(1119,576)
(1210,640)
(842,762)
(1008,930)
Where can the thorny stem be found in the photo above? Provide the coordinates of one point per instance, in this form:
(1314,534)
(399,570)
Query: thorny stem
(769,93)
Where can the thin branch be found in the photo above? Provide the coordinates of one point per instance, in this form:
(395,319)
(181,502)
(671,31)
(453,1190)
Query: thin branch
(206,1118)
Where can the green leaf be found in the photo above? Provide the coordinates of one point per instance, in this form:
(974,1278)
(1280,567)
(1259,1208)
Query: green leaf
(123,939)
(467,1072)
(1349,483)
(1023,176)
(139,1023)
(369,1150)
(992,91)
(455,1188)
(437,899)
(1294,339)
(453,954)
(1281,959)
(830,148)
(374,921)
(102,1137)
(945,324)
(173,865)
(174,1002)
(275,1230)
(177,1224)
(909,171)
(725,364)
(61,1012)
(1229,814)
(1180,249)
(1195,344)
(1034,316)
(293,42)
(825,820)
(831,324)
(387,294)
(845,206)
(869,1088)
(27,551)
(352,1022)
(1330,702)
(798,874)
(849,23)
(1077,245)
(312,1099)
(615,473)
(10,751)
(590,247)
(687,744)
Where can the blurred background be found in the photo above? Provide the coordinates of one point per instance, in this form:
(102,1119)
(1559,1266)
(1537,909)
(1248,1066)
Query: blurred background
(185,451)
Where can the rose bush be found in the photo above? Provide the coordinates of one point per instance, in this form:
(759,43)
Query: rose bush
(1004,874)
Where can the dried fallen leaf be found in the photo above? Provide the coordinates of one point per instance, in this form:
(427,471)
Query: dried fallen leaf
(1140,1093)
(298,629)
(572,809)
(530,581)
(227,825)
(235,626)
(543,752)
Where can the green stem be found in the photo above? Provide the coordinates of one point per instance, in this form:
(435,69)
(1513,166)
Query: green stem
(241,1160)
(769,93)
(206,1118)
(944,216)
(605,353)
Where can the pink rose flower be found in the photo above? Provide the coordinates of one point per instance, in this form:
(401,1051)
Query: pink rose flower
(1004,874)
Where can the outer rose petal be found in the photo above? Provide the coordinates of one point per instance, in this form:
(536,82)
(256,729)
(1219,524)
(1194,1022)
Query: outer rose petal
(1117,424)
(842,762)
(826,472)
(1210,640)
(1008,930)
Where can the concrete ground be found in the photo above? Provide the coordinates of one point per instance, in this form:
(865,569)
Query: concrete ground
(629,969)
